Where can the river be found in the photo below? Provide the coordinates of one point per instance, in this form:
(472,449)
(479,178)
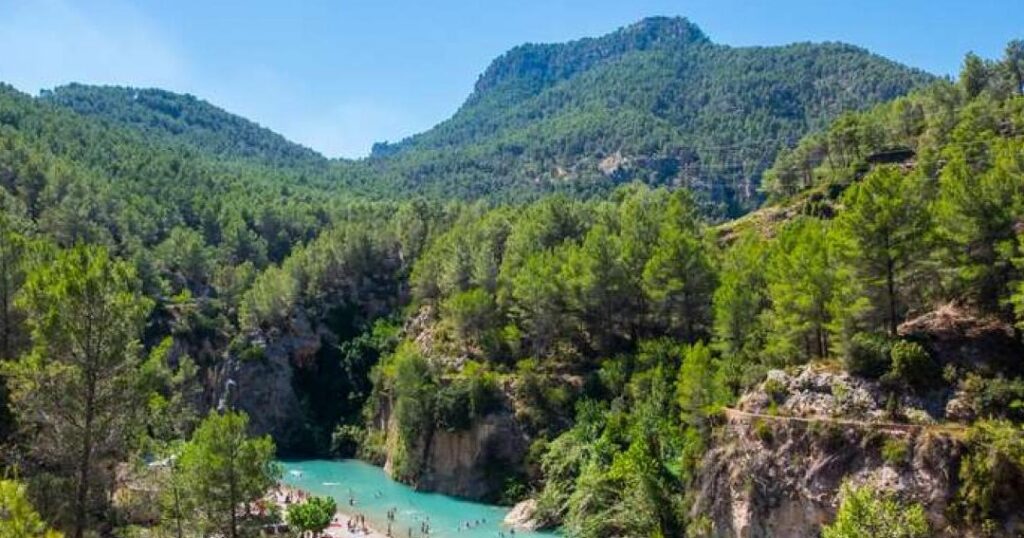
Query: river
(375,493)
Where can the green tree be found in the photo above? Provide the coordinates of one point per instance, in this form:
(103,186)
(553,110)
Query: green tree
(801,281)
(314,515)
(13,257)
(597,288)
(1013,59)
(974,75)
(225,470)
(698,390)
(863,514)
(678,279)
(185,253)
(883,232)
(18,519)
(76,390)
(472,315)
(741,297)
(976,212)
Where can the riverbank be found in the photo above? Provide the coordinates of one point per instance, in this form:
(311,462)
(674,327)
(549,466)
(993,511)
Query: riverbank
(344,525)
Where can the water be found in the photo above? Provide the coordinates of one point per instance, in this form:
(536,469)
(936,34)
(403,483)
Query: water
(341,478)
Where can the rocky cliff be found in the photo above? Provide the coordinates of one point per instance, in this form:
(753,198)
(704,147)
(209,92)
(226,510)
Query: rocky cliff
(779,459)
(259,380)
(471,463)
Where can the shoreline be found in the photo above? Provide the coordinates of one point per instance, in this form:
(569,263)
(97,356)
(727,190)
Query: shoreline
(339,527)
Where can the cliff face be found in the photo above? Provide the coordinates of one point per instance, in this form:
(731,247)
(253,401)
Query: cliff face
(471,463)
(262,385)
(771,474)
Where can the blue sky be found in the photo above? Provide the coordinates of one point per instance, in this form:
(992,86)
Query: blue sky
(339,75)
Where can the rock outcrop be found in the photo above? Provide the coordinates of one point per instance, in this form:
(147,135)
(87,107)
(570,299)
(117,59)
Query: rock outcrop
(469,463)
(779,472)
(523,516)
(259,382)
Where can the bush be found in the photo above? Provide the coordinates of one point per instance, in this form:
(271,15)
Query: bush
(868,355)
(864,514)
(775,389)
(346,440)
(895,451)
(314,515)
(911,364)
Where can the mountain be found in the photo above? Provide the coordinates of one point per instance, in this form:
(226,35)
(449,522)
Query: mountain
(182,119)
(656,101)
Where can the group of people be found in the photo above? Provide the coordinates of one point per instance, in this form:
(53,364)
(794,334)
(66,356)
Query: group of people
(357,523)
(471,524)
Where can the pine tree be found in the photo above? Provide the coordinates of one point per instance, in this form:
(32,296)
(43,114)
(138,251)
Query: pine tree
(225,469)
(76,390)
(883,234)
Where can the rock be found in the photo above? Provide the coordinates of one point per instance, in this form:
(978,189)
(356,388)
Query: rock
(262,386)
(961,409)
(776,477)
(522,516)
(471,463)
(955,336)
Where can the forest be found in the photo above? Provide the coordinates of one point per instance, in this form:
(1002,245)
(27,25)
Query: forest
(156,252)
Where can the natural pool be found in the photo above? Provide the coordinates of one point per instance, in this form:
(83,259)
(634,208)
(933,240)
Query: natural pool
(375,493)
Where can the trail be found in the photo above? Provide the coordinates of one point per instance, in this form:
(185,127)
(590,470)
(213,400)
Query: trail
(736,415)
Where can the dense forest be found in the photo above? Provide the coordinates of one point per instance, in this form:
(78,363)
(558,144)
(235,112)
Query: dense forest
(185,296)
(656,102)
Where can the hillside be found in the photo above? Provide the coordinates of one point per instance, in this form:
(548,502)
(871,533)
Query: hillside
(185,119)
(656,101)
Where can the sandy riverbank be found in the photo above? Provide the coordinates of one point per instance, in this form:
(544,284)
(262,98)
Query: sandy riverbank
(285,496)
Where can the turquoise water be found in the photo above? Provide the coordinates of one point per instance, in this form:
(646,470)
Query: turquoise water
(375,493)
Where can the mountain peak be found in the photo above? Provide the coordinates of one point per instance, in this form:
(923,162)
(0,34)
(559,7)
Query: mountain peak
(534,66)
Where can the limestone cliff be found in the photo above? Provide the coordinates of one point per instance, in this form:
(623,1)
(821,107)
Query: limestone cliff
(470,463)
(778,460)
(259,381)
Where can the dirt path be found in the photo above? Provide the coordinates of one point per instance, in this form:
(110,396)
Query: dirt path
(736,415)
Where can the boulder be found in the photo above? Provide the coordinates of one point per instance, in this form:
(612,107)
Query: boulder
(523,516)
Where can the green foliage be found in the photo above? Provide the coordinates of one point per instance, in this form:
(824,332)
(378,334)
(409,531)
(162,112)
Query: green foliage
(740,298)
(866,514)
(18,519)
(912,365)
(76,391)
(313,515)
(991,471)
(868,355)
(883,232)
(222,469)
(801,279)
(895,451)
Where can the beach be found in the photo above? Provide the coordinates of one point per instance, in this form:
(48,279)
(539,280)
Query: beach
(344,525)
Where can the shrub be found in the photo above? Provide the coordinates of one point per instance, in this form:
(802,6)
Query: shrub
(895,451)
(911,364)
(775,389)
(991,471)
(347,439)
(867,355)
(864,514)
(314,515)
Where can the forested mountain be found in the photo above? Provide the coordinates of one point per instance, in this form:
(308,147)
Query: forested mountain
(656,101)
(171,117)
(183,293)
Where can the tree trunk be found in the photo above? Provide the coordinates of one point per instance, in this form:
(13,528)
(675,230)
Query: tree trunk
(85,461)
(890,278)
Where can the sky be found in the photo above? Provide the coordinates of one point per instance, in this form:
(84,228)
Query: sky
(340,75)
